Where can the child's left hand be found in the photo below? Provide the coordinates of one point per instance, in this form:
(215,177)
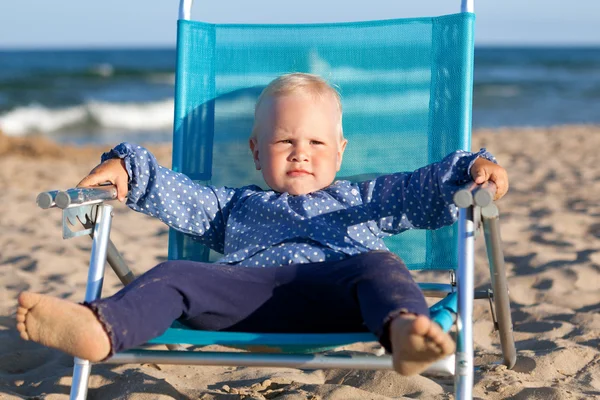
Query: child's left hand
(484,170)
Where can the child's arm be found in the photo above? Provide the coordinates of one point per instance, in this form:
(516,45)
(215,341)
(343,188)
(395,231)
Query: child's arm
(424,198)
(172,197)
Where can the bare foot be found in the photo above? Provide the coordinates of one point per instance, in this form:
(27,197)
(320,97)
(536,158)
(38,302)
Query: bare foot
(417,342)
(63,325)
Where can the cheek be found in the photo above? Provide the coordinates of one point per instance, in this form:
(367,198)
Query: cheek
(327,162)
(334,156)
(274,162)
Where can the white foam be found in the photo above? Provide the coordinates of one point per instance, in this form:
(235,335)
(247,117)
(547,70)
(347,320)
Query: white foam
(387,104)
(36,118)
(132,116)
(346,74)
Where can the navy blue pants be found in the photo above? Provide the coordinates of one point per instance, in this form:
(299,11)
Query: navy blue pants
(357,294)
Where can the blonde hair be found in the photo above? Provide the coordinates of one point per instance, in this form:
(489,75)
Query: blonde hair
(294,83)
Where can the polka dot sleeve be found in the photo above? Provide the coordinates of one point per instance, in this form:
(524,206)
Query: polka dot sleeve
(421,199)
(172,197)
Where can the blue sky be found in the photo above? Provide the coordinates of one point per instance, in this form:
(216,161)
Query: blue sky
(110,23)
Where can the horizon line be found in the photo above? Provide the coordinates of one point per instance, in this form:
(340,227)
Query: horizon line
(158,46)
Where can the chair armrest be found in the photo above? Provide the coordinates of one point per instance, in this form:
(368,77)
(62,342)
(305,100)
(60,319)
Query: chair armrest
(475,195)
(76,197)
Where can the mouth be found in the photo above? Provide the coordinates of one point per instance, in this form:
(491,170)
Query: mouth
(298,172)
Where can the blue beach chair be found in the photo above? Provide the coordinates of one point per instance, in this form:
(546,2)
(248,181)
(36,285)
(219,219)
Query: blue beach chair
(406,87)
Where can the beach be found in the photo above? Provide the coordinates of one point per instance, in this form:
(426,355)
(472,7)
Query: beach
(550,225)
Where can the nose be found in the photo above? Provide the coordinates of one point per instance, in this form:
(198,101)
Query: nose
(300,153)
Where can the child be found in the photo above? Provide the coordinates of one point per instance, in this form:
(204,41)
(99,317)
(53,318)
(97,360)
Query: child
(324,265)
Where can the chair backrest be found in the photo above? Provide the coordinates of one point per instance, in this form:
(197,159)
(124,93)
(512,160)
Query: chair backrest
(406,88)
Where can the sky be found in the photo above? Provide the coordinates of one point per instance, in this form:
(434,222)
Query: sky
(47,24)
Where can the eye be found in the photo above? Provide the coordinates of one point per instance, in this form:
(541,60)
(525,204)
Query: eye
(287,141)
(316,142)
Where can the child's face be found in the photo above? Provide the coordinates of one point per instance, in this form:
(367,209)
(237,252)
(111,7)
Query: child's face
(298,147)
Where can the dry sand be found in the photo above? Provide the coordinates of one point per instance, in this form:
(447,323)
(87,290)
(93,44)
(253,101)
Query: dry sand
(551,230)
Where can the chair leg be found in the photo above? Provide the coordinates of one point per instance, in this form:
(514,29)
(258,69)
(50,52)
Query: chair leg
(81,375)
(463,378)
(82,368)
(118,264)
(491,227)
(505,327)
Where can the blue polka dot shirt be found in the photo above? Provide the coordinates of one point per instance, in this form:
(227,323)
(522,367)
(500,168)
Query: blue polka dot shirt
(256,227)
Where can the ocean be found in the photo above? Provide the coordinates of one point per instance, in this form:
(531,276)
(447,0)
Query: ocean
(109,95)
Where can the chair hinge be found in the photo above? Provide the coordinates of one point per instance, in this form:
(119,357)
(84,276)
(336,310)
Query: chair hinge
(74,216)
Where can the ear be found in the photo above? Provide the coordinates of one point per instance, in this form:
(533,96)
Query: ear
(254,149)
(340,154)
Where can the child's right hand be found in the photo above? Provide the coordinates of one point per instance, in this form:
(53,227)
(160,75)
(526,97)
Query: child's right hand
(112,171)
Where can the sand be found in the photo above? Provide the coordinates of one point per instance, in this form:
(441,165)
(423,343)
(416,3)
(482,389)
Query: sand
(550,224)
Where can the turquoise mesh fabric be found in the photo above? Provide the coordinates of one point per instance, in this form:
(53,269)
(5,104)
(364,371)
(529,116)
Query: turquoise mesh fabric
(406,88)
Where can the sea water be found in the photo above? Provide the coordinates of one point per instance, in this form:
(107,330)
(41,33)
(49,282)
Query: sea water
(110,95)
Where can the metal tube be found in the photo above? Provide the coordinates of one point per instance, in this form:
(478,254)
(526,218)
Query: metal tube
(45,200)
(81,375)
(463,198)
(467,6)
(118,264)
(492,240)
(436,289)
(185,9)
(441,290)
(463,379)
(302,361)
(82,368)
(83,196)
(477,195)
(98,253)
(491,229)
(484,195)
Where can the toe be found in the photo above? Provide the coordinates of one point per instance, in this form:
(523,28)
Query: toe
(449,347)
(20,317)
(438,337)
(434,348)
(28,300)
(421,325)
(23,331)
